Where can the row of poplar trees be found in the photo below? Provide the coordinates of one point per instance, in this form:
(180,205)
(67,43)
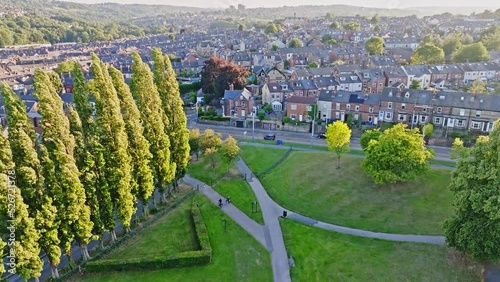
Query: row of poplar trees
(90,164)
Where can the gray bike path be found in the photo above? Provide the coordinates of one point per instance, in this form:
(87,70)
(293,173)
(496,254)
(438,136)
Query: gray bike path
(271,213)
(252,227)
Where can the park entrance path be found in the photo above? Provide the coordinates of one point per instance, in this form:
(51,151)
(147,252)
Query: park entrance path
(269,235)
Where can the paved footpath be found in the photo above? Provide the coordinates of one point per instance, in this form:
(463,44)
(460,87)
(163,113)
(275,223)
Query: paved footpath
(269,235)
(252,227)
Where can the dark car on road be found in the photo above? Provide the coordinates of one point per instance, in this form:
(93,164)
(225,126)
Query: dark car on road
(322,135)
(270,136)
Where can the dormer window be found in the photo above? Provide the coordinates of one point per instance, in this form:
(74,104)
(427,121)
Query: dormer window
(407,95)
(390,94)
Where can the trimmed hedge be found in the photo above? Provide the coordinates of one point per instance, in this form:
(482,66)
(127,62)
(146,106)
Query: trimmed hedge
(216,118)
(184,259)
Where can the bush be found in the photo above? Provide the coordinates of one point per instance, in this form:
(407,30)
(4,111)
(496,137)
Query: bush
(190,258)
(215,118)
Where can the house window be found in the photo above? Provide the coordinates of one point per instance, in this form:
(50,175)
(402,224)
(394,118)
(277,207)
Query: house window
(462,112)
(356,117)
(403,106)
(293,106)
(389,105)
(388,115)
(348,106)
(236,103)
(439,110)
(370,118)
(337,115)
(370,110)
(401,117)
(478,113)
(476,125)
(437,120)
(293,116)
(460,123)
(242,103)
(356,108)
(337,106)
(309,108)
(423,118)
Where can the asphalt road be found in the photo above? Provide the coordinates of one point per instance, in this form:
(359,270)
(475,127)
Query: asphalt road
(441,153)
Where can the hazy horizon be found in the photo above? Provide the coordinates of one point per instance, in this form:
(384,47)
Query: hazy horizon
(383,4)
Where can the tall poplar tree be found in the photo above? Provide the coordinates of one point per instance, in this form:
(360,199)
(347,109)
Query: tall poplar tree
(29,176)
(152,114)
(92,166)
(142,183)
(85,163)
(28,262)
(168,88)
(65,185)
(114,139)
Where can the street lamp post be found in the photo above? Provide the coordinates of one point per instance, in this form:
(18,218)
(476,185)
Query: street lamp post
(253,123)
(313,123)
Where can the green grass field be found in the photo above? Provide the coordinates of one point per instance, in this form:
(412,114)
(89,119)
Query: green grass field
(309,183)
(236,256)
(202,170)
(259,158)
(176,228)
(322,255)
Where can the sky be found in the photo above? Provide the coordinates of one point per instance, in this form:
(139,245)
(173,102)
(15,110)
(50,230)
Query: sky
(385,4)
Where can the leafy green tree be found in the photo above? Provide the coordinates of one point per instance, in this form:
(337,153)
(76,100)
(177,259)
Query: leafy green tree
(398,155)
(325,38)
(164,77)
(375,19)
(473,228)
(491,38)
(372,134)
(295,43)
(352,26)
(210,139)
(475,52)
(428,131)
(329,16)
(275,47)
(152,115)
(65,67)
(377,28)
(415,84)
(375,45)
(28,263)
(60,170)
(142,182)
(114,139)
(271,28)
(90,159)
(452,43)
(194,142)
(338,138)
(428,54)
(29,176)
(478,87)
(431,39)
(81,155)
(335,25)
(458,150)
(229,150)
(312,65)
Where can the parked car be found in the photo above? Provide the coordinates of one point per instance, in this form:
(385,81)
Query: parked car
(270,136)
(322,135)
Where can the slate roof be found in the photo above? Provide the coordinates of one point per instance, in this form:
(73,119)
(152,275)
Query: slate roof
(302,100)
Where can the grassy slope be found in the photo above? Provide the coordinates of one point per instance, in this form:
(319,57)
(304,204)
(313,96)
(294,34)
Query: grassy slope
(241,195)
(176,228)
(322,255)
(236,256)
(260,158)
(336,196)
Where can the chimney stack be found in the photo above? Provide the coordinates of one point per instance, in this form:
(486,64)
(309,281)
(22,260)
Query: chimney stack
(231,86)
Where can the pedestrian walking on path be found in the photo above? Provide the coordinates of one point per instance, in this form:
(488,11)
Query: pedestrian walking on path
(220,203)
(228,200)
